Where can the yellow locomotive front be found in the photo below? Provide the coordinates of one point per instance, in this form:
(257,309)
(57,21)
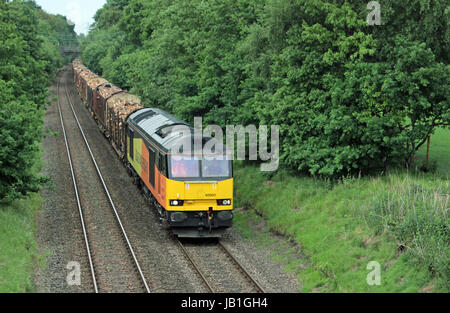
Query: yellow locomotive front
(199,195)
(192,191)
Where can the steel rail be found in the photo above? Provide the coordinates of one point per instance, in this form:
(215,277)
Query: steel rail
(109,196)
(75,186)
(196,267)
(241,267)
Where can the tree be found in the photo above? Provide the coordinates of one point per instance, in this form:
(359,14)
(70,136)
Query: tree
(349,98)
(29,57)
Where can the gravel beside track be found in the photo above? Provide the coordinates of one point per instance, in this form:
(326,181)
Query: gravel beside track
(115,271)
(58,232)
(220,272)
(258,260)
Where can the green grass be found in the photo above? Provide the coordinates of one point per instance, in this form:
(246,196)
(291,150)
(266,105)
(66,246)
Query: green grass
(18,248)
(439,150)
(399,219)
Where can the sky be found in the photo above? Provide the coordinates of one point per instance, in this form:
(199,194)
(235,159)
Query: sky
(81,12)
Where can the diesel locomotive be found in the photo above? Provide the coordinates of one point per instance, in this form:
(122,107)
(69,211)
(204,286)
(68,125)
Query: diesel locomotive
(192,192)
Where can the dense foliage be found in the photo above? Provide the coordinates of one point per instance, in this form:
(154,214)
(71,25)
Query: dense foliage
(29,58)
(349,97)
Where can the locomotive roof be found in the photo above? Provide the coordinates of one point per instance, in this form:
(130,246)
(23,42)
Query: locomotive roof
(157,124)
(159,127)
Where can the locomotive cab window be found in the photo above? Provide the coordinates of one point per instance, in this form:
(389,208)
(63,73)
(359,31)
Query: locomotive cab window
(186,167)
(216,167)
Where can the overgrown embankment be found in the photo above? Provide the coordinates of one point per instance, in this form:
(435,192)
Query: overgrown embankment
(399,219)
(29,59)
(19,253)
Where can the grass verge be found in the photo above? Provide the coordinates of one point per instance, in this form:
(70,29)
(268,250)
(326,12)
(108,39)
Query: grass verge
(399,219)
(18,248)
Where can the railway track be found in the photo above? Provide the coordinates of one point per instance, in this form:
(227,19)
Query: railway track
(241,268)
(212,273)
(224,274)
(108,259)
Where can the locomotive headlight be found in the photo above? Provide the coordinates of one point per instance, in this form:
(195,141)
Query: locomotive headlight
(176,202)
(224,202)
